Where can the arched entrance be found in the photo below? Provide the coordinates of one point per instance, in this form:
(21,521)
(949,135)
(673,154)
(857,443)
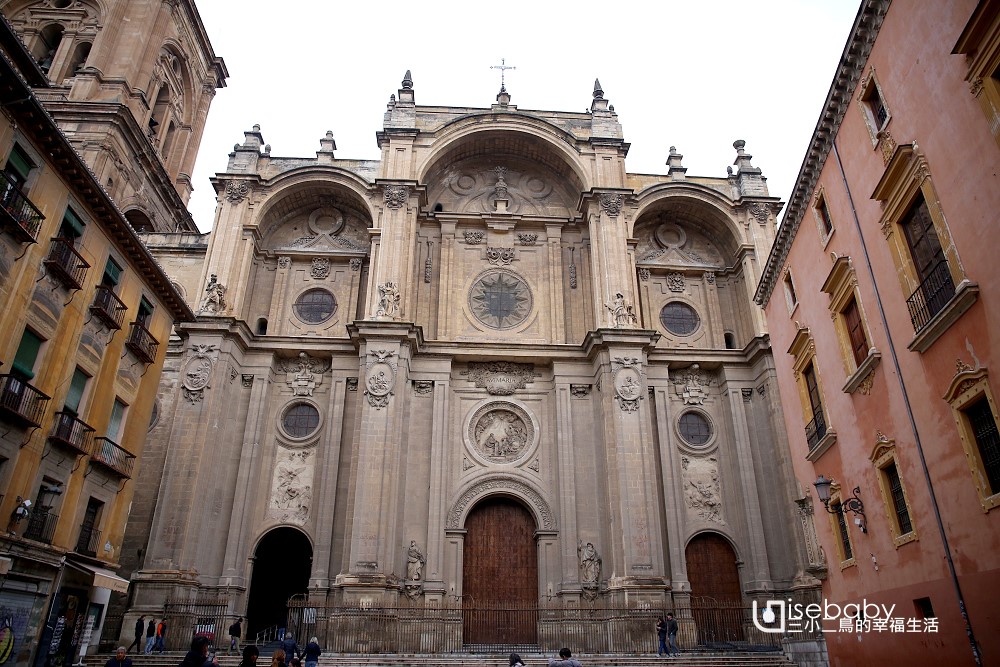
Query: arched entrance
(281,569)
(716,595)
(500,575)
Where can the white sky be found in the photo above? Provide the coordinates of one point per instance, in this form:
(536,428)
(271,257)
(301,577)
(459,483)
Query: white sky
(697,75)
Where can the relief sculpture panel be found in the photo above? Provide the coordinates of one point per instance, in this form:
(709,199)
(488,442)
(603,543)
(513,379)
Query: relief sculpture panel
(291,486)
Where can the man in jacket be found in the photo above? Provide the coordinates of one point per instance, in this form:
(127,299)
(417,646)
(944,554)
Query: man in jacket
(290,647)
(119,660)
(150,636)
(565,659)
(140,625)
(235,632)
(672,636)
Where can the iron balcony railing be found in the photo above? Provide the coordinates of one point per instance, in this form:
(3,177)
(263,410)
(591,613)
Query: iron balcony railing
(17,212)
(89,541)
(815,430)
(66,264)
(20,402)
(932,295)
(108,453)
(142,343)
(73,433)
(109,307)
(41,525)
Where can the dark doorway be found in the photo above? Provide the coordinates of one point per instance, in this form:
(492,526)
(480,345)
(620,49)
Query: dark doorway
(500,575)
(716,595)
(281,569)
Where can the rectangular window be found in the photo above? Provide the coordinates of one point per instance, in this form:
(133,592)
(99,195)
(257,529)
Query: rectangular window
(845,537)
(115,423)
(76,388)
(27,355)
(72,226)
(824,216)
(790,294)
(145,312)
(812,387)
(924,608)
(877,107)
(898,498)
(984,430)
(929,263)
(856,331)
(90,537)
(18,166)
(112,274)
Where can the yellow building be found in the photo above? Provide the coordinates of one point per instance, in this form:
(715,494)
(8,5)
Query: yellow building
(86,315)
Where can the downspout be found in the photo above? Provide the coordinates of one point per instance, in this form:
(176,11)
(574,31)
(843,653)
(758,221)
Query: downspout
(913,424)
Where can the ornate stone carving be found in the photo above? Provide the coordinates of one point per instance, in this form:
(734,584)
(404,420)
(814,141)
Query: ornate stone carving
(388,301)
(474,237)
(762,389)
(428,264)
(423,387)
(675,282)
(627,377)
(291,487)
(701,488)
(500,189)
(534,465)
(197,372)
(246,380)
(395,196)
(817,560)
(976,86)
(527,239)
(215,297)
(352,384)
(572,276)
(710,277)
(320,268)
(500,256)
(612,204)
(284,262)
(590,569)
(500,378)
(622,313)
(237,191)
(579,390)
(304,373)
(759,211)
(506,484)
(356,264)
(500,299)
(747,394)
(501,432)
(380,376)
(232,374)
(643,274)
(414,562)
(691,385)
(867,383)
(887,145)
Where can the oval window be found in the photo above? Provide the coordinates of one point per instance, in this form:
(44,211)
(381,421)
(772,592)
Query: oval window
(679,318)
(694,428)
(300,420)
(315,306)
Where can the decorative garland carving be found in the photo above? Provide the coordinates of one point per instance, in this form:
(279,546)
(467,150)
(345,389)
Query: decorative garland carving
(527,239)
(643,274)
(355,264)
(500,378)
(500,256)
(502,483)
(612,204)
(395,195)
(237,191)
(474,237)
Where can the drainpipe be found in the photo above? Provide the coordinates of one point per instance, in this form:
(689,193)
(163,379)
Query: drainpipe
(913,424)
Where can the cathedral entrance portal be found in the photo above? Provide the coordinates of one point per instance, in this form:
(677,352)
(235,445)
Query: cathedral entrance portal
(716,595)
(500,575)
(281,568)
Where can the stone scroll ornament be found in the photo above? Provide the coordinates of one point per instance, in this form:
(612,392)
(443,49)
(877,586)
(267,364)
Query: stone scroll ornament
(380,376)
(304,373)
(627,378)
(237,191)
(197,373)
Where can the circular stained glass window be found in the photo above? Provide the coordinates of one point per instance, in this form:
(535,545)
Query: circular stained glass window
(500,299)
(694,428)
(315,306)
(679,318)
(300,420)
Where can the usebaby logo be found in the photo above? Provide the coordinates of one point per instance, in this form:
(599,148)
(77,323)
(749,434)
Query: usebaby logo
(777,616)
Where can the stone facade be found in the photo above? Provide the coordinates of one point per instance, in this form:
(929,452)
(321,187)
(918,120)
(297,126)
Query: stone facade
(495,308)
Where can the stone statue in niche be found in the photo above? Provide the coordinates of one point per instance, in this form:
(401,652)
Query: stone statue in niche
(702,494)
(388,301)
(304,373)
(215,297)
(621,311)
(590,569)
(414,563)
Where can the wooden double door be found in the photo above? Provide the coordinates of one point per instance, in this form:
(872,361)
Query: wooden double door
(500,575)
(716,594)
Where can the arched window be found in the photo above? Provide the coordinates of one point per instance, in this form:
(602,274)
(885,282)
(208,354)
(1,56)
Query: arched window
(262,326)
(47,45)
(79,59)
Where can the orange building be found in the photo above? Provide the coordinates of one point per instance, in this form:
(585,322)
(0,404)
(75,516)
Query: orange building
(879,295)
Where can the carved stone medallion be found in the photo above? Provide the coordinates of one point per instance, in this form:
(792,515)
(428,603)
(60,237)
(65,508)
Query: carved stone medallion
(501,432)
(500,299)
(197,373)
(627,382)
(380,376)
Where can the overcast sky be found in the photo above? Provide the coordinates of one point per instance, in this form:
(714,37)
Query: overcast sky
(695,75)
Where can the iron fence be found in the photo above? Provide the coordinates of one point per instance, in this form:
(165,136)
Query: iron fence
(202,617)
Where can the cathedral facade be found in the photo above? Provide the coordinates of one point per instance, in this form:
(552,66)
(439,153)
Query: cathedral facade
(490,367)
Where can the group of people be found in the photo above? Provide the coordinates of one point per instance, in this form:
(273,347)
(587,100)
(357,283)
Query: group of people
(155,633)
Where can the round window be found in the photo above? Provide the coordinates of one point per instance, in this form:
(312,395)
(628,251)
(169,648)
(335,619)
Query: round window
(315,306)
(300,420)
(694,428)
(500,300)
(679,318)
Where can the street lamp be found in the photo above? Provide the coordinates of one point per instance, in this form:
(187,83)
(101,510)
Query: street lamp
(852,504)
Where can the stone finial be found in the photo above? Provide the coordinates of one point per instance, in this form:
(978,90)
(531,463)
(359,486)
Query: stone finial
(407,81)
(674,159)
(327,145)
(599,103)
(751,180)
(598,93)
(252,139)
(503,97)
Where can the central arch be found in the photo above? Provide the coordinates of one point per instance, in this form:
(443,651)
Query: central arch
(500,575)
(281,569)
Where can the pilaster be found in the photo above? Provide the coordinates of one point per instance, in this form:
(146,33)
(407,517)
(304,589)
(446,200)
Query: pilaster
(614,285)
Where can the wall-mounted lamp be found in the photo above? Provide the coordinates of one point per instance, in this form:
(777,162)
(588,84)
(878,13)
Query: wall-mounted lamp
(852,504)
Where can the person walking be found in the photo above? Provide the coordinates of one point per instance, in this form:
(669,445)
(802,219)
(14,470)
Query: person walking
(198,655)
(161,636)
(312,652)
(661,633)
(140,625)
(672,636)
(150,636)
(289,646)
(235,632)
(565,659)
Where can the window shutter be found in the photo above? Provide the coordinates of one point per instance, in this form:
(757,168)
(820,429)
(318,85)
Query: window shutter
(71,221)
(112,273)
(27,354)
(75,395)
(19,163)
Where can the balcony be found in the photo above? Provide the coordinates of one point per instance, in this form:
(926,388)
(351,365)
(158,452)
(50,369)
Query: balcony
(108,307)
(142,343)
(932,296)
(72,433)
(65,264)
(41,525)
(815,430)
(111,456)
(17,213)
(21,403)
(89,541)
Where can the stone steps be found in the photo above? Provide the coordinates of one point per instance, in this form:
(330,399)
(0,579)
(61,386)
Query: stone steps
(687,659)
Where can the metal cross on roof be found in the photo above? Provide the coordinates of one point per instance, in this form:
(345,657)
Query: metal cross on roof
(503,66)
